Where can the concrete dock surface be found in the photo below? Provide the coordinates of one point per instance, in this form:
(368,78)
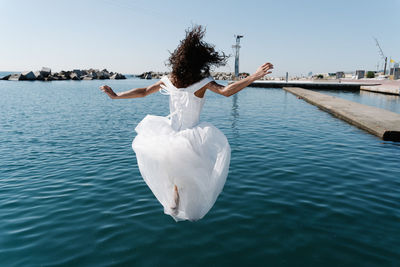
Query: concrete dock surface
(383,89)
(391,87)
(383,86)
(382,123)
(321,85)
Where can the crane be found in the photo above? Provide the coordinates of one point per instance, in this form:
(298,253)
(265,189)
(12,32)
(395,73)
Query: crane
(381,54)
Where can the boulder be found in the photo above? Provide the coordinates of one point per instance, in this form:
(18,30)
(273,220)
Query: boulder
(38,76)
(6,77)
(28,75)
(103,75)
(88,77)
(45,72)
(93,74)
(67,75)
(77,72)
(15,77)
(74,76)
(117,76)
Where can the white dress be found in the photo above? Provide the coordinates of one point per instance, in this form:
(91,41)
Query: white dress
(180,151)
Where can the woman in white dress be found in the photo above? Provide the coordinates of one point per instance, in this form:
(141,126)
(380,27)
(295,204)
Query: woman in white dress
(185,162)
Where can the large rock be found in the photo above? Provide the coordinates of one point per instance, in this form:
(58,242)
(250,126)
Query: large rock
(38,76)
(15,77)
(45,72)
(103,75)
(28,75)
(93,74)
(67,75)
(78,72)
(117,76)
(74,76)
(6,77)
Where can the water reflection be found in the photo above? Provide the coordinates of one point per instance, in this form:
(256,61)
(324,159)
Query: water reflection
(389,102)
(235,115)
(382,97)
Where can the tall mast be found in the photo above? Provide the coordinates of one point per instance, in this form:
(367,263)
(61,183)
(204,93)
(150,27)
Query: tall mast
(381,54)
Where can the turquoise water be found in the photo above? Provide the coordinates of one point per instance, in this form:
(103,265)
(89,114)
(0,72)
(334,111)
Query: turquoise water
(304,188)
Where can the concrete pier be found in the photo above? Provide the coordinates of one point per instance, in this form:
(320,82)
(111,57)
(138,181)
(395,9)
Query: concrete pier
(380,122)
(323,85)
(383,89)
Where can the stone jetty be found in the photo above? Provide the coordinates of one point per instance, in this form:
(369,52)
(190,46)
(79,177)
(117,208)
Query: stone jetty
(46,75)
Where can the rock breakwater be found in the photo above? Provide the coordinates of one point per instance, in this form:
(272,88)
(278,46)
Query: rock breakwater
(46,75)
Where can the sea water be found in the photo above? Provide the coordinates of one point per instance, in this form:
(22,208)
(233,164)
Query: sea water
(304,188)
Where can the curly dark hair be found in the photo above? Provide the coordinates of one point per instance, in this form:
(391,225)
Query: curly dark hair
(193,58)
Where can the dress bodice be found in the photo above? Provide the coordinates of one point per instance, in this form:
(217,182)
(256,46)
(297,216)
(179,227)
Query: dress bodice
(185,107)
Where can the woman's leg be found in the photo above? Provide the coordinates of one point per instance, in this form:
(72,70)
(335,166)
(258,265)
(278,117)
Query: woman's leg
(175,206)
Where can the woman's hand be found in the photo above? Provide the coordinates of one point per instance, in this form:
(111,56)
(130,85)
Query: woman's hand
(263,70)
(237,86)
(107,89)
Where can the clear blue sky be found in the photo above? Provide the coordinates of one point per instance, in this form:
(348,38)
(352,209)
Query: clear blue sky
(135,36)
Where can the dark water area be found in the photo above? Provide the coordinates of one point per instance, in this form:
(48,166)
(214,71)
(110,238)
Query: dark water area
(304,188)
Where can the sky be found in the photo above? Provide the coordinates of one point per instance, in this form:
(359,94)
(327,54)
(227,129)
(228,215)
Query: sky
(136,36)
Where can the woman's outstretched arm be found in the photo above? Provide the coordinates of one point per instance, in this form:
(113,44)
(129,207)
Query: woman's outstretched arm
(133,93)
(235,87)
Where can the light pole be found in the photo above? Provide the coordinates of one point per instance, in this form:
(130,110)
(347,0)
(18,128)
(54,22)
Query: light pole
(237,47)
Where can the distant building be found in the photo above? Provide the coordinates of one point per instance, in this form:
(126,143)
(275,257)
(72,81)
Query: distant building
(395,73)
(320,76)
(360,74)
(339,75)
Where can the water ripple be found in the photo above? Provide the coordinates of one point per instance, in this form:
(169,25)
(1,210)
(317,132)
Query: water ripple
(304,188)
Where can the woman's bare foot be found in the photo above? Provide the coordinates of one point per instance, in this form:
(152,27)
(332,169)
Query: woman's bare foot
(175,206)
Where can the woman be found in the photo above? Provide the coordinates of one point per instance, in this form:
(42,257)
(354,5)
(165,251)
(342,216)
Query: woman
(185,162)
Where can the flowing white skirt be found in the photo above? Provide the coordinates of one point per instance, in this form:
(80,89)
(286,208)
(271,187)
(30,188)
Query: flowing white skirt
(196,160)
